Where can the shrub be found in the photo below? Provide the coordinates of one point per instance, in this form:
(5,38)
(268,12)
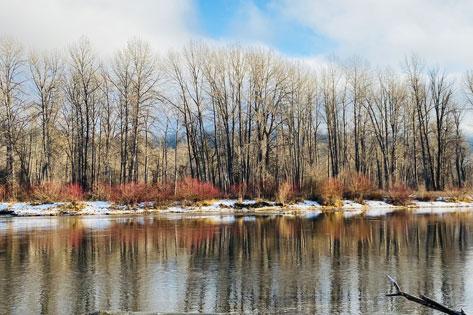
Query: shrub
(450,195)
(194,190)
(130,193)
(357,187)
(423,195)
(102,191)
(162,193)
(72,192)
(330,192)
(457,195)
(46,192)
(399,194)
(285,192)
(375,194)
(53,192)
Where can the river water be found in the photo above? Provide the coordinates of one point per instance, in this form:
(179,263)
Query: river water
(242,264)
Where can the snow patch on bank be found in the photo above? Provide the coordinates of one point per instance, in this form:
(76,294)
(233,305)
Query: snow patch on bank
(370,208)
(305,205)
(349,204)
(26,209)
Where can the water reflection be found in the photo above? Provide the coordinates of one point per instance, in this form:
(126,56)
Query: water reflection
(324,264)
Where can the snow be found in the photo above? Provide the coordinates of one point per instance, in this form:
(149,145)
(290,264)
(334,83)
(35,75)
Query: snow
(25,209)
(96,207)
(305,205)
(378,204)
(371,208)
(349,204)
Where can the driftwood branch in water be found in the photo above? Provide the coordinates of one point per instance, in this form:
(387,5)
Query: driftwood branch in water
(422,299)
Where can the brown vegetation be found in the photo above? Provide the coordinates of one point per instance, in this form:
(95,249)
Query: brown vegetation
(399,194)
(52,192)
(285,192)
(357,187)
(330,192)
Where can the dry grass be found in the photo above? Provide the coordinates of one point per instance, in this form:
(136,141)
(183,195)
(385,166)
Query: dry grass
(449,195)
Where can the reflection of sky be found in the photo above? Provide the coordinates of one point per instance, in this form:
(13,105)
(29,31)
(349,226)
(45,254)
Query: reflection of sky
(292,264)
(28,223)
(468,276)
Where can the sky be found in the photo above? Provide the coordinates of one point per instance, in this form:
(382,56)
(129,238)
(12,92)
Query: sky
(383,32)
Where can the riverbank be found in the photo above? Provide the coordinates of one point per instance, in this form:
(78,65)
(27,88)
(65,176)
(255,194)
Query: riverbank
(229,206)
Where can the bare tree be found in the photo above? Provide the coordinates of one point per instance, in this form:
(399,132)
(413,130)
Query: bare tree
(46,73)
(11,101)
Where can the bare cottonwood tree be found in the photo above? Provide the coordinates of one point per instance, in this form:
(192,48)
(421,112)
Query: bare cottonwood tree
(11,101)
(47,76)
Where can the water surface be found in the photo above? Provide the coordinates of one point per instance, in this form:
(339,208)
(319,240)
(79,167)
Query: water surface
(267,264)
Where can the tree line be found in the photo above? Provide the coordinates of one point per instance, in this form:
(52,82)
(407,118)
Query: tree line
(238,117)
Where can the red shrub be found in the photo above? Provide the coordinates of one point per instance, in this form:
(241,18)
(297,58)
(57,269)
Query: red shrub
(52,192)
(130,193)
(72,192)
(399,194)
(193,189)
(162,192)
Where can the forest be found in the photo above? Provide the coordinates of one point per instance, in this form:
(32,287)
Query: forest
(245,121)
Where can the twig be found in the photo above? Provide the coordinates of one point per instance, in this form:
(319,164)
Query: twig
(422,300)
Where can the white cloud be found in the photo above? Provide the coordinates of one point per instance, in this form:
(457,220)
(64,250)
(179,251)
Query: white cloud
(385,31)
(108,23)
(251,24)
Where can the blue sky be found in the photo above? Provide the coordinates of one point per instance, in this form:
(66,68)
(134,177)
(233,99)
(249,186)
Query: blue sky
(227,20)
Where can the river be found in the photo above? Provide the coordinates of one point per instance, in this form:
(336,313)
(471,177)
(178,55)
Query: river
(243,264)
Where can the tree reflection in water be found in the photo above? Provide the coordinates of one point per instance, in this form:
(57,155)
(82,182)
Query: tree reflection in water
(269,264)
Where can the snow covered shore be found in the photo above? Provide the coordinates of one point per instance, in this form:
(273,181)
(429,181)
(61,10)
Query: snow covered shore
(370,208)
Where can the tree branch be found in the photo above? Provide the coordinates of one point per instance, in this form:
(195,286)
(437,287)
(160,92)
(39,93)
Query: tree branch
(422,300)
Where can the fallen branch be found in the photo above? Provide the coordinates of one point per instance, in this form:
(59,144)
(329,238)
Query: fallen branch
(422,300)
